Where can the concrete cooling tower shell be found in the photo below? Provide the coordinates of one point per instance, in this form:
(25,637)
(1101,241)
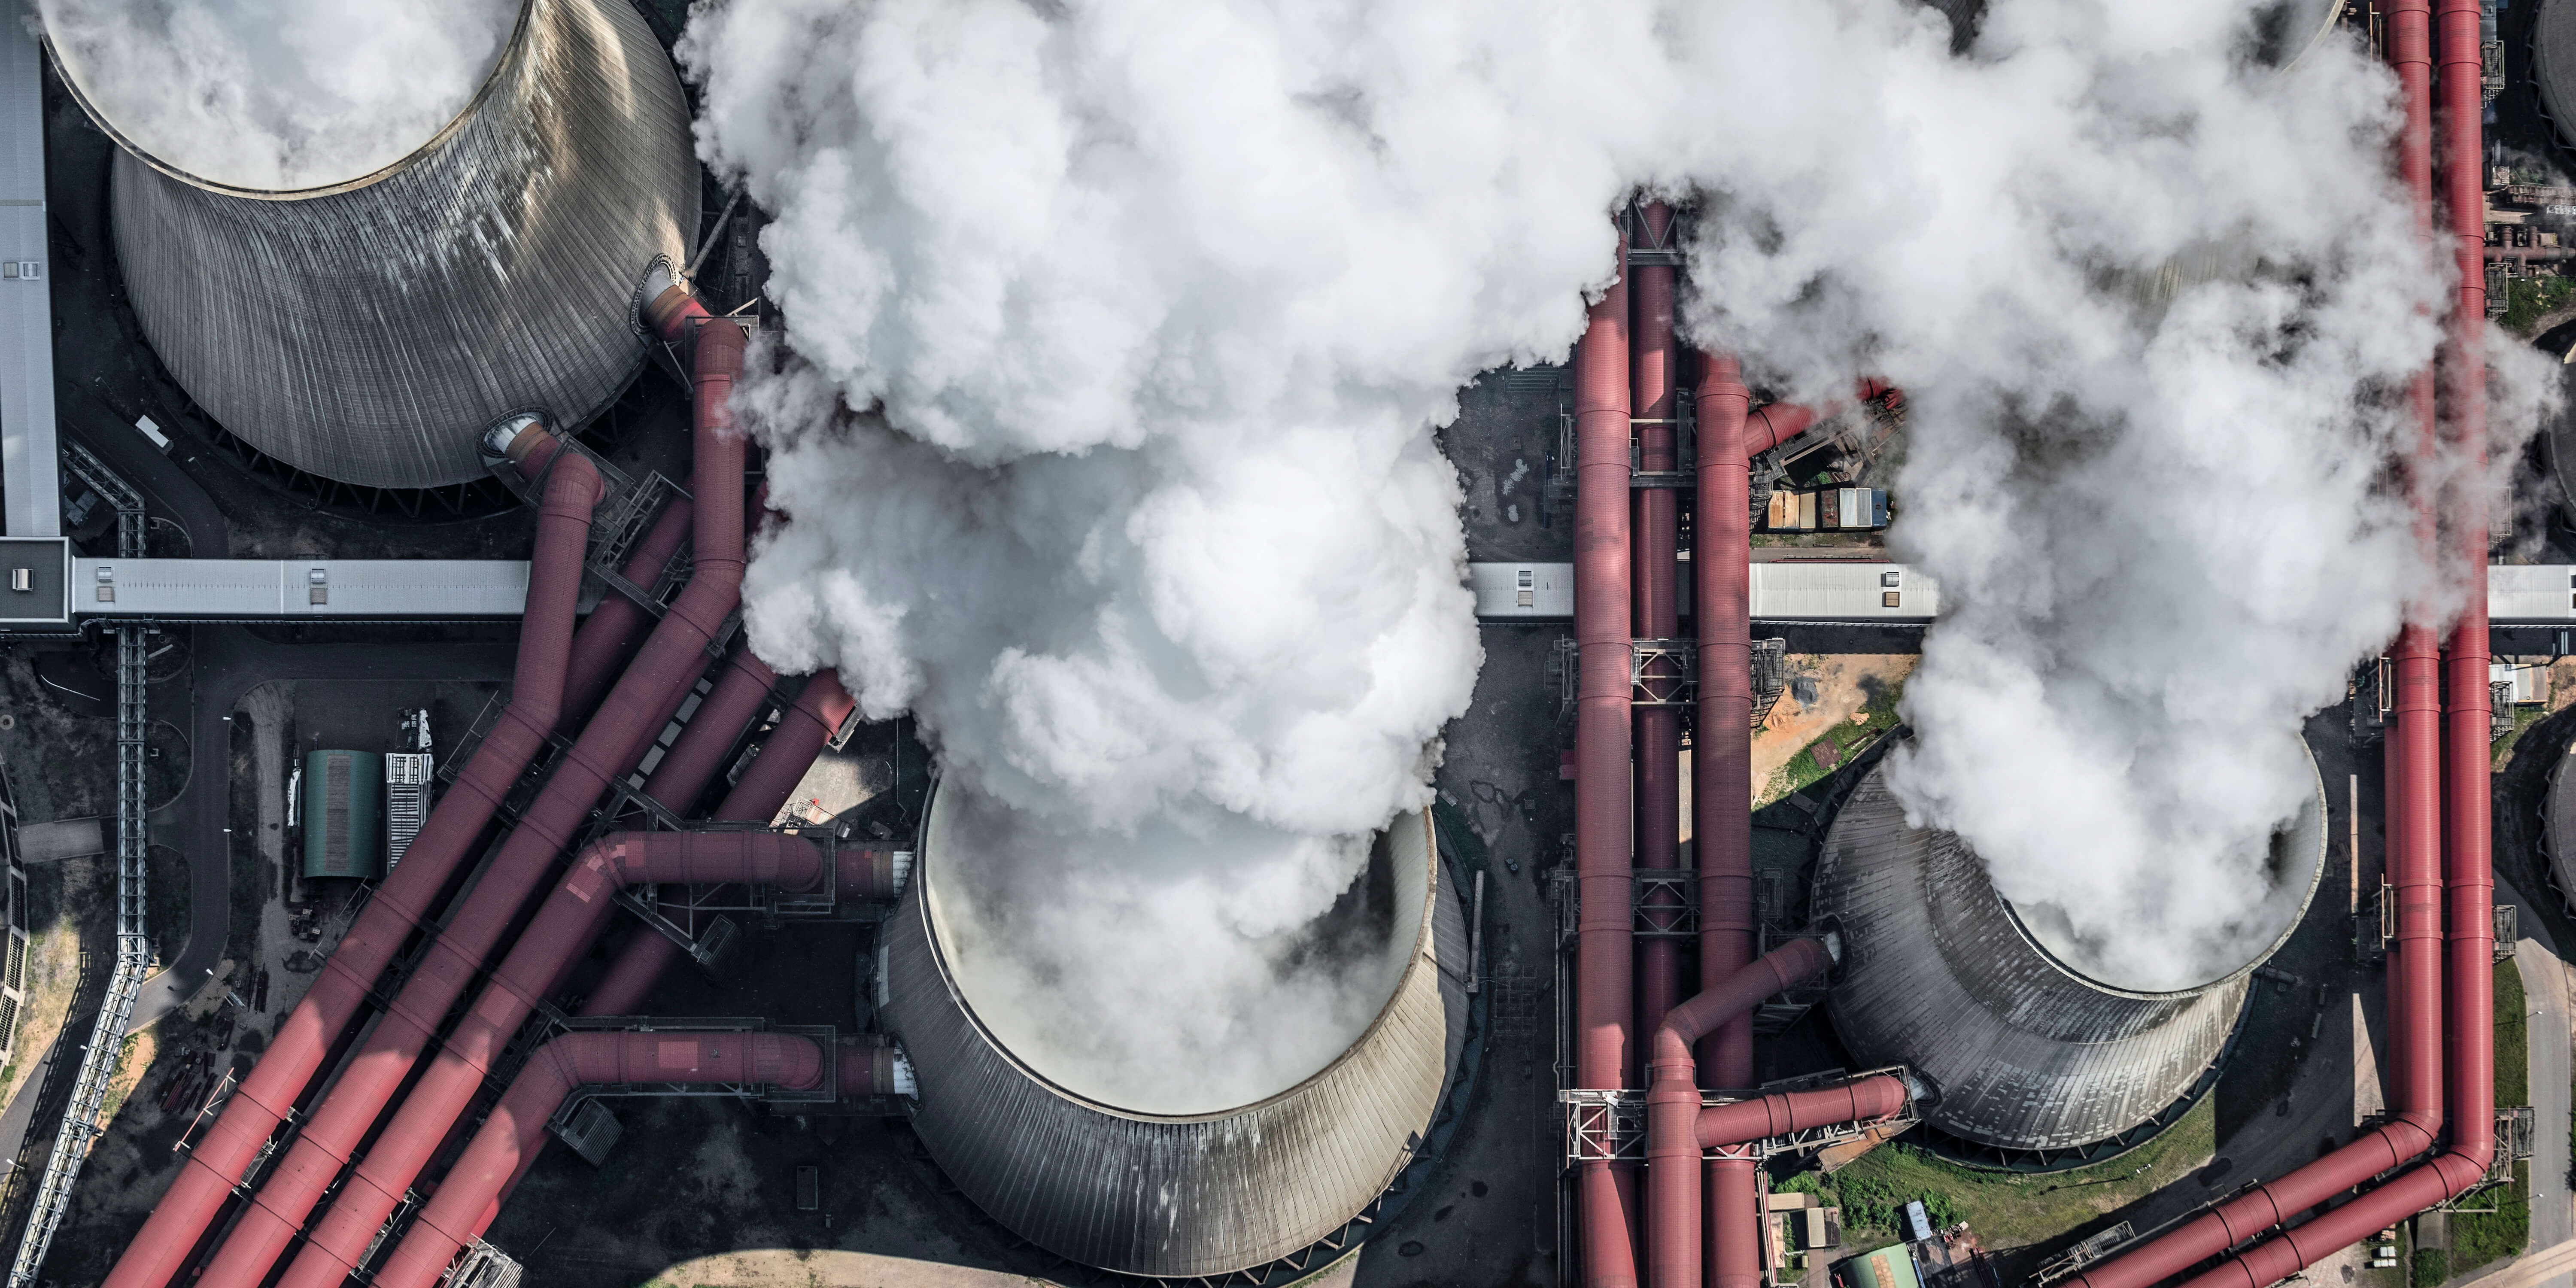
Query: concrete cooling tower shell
(1180,1196)
(2023,1052)
(368,331)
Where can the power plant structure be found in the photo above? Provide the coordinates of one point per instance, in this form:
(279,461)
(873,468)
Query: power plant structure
(2021,1049)
(456,314)
(370,330)
(1194,1196)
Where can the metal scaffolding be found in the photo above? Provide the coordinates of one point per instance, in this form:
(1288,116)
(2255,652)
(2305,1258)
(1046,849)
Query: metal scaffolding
(133,938)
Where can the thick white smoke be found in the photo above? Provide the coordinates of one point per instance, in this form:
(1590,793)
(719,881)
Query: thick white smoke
(1147,315)
(278,94)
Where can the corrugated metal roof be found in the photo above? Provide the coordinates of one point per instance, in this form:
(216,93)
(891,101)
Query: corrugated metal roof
(267,589)
(1181,1196)
(29,472)
(1784,590)
(1939,975)
(369,333)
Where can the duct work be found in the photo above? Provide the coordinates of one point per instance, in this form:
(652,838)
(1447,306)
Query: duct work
(2440,985)
(409,896)
(517,1128)
(366,330)
(1176,1196)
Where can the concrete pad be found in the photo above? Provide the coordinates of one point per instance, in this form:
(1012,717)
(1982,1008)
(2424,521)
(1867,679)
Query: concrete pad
(67,838)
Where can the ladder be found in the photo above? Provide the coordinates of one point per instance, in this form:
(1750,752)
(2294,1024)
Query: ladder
(133,938)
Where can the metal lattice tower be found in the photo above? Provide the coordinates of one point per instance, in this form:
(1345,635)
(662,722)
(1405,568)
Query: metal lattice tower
(133,939)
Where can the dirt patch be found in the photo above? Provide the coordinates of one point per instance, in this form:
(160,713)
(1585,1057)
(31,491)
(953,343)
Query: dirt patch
(1827,693)
(826,1268)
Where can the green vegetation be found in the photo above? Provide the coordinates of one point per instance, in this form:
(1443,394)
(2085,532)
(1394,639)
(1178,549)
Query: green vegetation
(2531,298)
(2431,1268)
(2512,1043)
(2524,717)
(2009,1210)
(1878,715)
(1457,837)
(2483,1238)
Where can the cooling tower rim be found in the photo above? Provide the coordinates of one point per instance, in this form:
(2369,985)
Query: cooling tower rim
(1422,959)
(2316,878)
(72,85)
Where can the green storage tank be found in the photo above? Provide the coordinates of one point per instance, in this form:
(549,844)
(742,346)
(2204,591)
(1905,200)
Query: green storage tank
(344,814)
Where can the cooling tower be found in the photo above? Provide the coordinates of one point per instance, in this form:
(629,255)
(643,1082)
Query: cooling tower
(369,330)
(1178,1196)
(2024,1051)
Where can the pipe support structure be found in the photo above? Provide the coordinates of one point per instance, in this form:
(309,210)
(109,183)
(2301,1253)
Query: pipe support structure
(516,1128)
(1674,1256)
(637,707)
(2422,1020)
(408,897)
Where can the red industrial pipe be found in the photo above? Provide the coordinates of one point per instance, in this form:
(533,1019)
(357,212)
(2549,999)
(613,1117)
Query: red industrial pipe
(607,749)
(559,936)
(789,751)
(631,975)
(1781,1113)
(1604,930)
(692,762)
(1673,1197)
(1654,602)
(618,624)
(517,1127)
(408,897)
(1777,423)
(1722,760)
(2417,1010)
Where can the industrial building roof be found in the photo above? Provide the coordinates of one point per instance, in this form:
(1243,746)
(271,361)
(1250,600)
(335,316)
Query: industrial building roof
(1899,594)
(30,486)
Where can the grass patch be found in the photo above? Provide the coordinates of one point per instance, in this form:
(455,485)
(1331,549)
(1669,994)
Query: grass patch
(2483,1238)
(1878,715)
(2009,1210)
(2524,717)
(2432,1266)
(2512,1038)
(2529,298)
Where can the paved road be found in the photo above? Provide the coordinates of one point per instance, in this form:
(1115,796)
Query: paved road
(229,662)
(2540,1267)
(2545,985)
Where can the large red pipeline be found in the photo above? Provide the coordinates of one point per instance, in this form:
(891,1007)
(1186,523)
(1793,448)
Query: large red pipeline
(1605,927)
(1673,1196)
(631,975)
(789,750)
(559,937)
(1777,423)
(2415,754)
(1722,763)
(408,897)
(517,1127)
(1654,602)
(618,624)
(607,749)
(691,763)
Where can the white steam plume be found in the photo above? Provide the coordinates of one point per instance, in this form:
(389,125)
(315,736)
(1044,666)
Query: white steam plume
(278,94)
(1148,313)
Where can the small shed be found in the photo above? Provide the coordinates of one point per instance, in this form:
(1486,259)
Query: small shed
(1889,1267)
(344,814)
